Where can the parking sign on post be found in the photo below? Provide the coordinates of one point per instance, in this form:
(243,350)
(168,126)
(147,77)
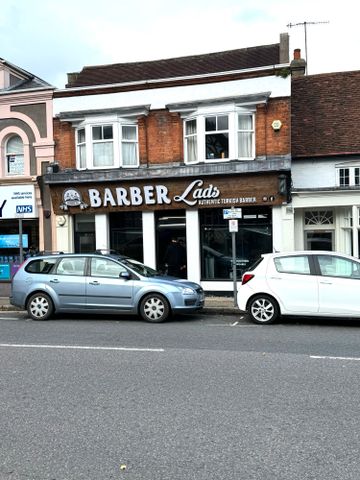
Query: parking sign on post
(232,214)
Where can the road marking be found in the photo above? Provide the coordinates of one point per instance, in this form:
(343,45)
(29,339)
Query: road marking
(356,359)
(81,347)
(235,323)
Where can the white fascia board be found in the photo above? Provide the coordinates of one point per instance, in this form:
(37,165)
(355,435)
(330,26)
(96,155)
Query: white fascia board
(320,199)
(158,98)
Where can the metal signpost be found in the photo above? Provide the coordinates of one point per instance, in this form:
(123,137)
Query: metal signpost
(232,215)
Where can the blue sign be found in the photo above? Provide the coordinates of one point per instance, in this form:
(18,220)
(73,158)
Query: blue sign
(12,241)
(4,271)
(24,208)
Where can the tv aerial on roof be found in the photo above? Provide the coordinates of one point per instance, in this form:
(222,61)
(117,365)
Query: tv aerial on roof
(304,24)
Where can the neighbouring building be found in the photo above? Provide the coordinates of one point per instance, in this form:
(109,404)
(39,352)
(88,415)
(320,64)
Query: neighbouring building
(150,150)
(326,161)
(26,147)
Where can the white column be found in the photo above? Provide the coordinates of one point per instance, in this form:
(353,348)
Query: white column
(149,245)
(193,245)
(283,228)
(64,233)
(355,225)
(102,236)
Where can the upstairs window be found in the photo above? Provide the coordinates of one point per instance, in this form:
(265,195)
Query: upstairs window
(246,136)
(191,141)
(217,137)
(110,145)
(103,147)
(15,156)
(221,136)
(129,145)
(81,147)
(348,176)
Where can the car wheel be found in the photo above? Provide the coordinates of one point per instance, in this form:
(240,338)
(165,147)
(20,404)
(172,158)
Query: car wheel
(263,309)
(40,306)
(154,308)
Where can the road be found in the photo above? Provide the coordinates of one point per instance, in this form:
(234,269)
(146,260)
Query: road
(200,397)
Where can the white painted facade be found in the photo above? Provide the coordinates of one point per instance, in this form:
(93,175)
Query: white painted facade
(316,188)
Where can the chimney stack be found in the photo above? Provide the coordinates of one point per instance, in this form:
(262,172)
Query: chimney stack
(298,64)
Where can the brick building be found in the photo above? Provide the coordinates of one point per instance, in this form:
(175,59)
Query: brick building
(150,150)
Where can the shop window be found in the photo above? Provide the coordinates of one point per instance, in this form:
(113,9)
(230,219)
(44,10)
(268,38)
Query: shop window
(15,156)
(108,145)
(253,238)
(126,235)
(221,136)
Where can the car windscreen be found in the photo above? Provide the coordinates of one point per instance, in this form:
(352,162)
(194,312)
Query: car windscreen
(139,267)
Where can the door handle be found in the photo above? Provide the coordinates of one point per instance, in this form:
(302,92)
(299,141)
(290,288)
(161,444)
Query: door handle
(54,280)
(95,282)
(276,278)
(326,283)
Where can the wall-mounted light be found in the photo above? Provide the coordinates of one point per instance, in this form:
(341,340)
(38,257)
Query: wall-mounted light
(61,220)
(276,125)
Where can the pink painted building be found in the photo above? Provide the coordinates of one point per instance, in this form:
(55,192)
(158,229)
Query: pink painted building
(26,149)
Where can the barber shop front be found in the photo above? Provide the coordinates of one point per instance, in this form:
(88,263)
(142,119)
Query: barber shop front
(141,218)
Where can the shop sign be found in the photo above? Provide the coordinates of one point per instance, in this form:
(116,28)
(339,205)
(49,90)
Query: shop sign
(17,201)
(198,193)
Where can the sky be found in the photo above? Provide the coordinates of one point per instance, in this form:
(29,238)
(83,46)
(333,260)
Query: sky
(51,38)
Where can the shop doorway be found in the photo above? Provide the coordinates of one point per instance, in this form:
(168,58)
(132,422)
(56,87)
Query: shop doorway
(171,242)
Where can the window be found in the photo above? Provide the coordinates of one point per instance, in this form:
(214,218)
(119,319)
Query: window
(338,267)
(41,266)
(103,150)
(190,141)
(15,156)
(253,238)
(219,136)
(71,266)
(101,267)
(297,265)
(81,147)
(109,145)
(129,145)
(246,136)
(348,176)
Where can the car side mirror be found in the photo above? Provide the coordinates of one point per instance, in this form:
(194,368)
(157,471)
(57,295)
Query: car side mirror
(125,275)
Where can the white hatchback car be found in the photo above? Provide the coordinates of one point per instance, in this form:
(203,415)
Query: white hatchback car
(311,283)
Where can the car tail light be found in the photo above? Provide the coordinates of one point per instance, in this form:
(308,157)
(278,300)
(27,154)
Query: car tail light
(246,278)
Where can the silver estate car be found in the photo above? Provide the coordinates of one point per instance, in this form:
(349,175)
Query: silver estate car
(97,283)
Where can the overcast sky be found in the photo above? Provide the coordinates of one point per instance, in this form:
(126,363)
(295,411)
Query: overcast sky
(50,38)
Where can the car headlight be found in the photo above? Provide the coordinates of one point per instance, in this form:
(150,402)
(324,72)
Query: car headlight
(187,291)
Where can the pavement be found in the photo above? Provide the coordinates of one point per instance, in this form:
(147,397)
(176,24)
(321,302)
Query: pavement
(213,304)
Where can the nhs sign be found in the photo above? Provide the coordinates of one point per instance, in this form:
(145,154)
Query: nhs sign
(17,201)
(24,208)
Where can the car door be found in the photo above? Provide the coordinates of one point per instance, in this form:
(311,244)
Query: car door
(290,279)
(106,289)
(339,285)
(68,283)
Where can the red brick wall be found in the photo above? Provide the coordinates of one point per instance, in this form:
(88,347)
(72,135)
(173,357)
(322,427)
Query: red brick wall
(268,141)
(161,138)
(64,136)
(161,135)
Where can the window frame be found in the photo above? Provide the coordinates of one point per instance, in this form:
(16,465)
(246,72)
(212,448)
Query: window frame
(349,172)
(11,154)
(118,141)
(232,112)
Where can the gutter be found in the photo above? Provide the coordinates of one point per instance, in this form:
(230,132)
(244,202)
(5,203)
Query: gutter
(170,79)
